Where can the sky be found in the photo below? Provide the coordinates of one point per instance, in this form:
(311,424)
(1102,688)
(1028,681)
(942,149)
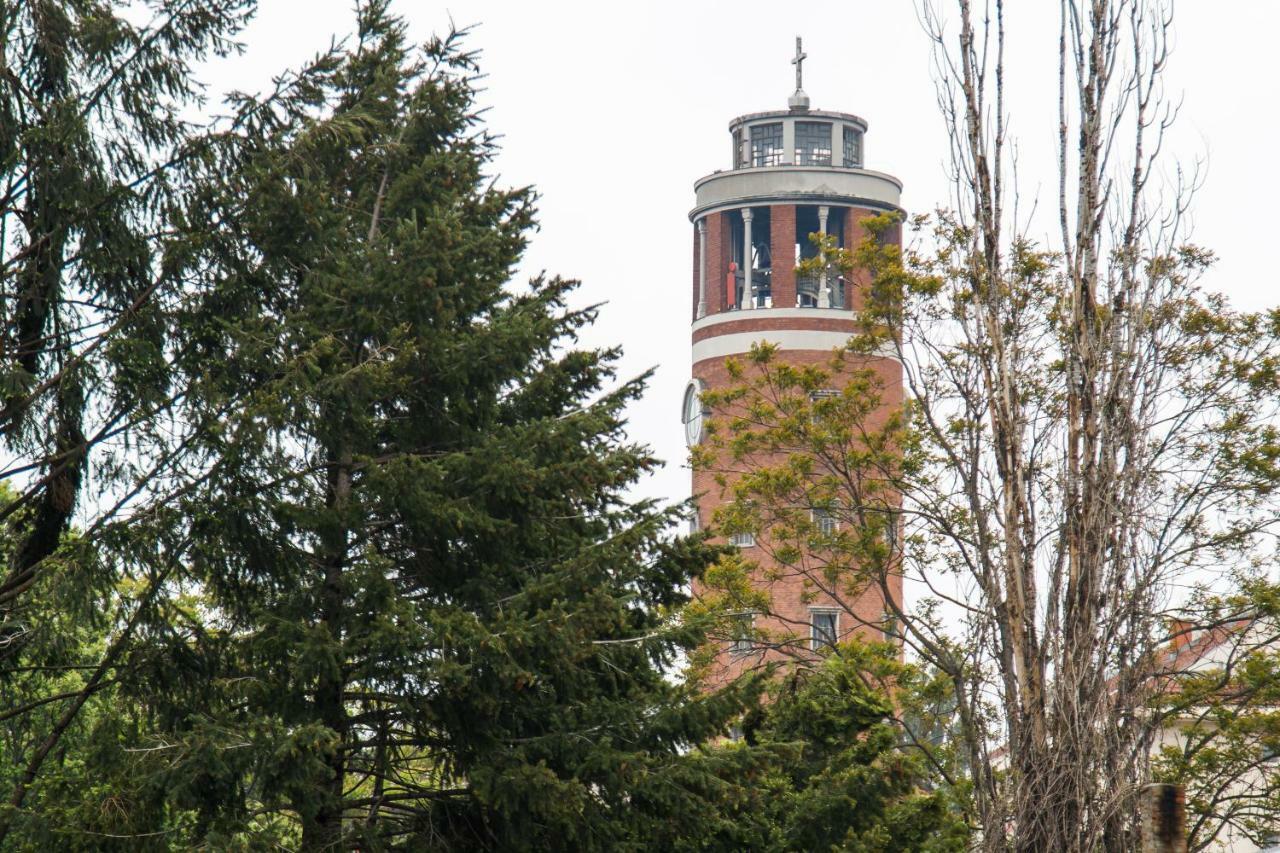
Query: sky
(613,110)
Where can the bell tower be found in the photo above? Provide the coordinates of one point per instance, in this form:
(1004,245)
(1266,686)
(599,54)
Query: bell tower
(793,173)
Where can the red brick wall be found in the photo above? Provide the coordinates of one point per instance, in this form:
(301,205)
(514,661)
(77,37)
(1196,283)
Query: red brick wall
(719,245)
(791,595)
(854,234)
(782,248)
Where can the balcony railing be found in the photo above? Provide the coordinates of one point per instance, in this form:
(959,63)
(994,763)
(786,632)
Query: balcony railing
(761,290)
(810,287)
(809,291)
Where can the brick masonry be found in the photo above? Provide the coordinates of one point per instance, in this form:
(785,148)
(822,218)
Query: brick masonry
(793,595)
(719,245)
(854,234)
(782,251)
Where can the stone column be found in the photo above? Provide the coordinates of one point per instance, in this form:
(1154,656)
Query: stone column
(824,287)
(702,269)
(747,297)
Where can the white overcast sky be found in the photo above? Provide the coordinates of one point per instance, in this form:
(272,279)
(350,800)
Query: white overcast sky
(613,110)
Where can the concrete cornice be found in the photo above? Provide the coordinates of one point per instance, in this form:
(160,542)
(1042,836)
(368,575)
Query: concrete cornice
(804,184)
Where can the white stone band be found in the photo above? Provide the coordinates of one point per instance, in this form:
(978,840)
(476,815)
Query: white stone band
(720,346)
(752,314)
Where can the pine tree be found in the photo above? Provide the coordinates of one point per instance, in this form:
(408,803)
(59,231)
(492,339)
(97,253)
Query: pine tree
(851,785)
(425,613)
(95,154)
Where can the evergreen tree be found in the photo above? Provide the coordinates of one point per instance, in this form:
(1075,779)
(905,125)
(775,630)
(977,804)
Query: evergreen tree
(426,613)
(95,158)
(849,785)
(93,154)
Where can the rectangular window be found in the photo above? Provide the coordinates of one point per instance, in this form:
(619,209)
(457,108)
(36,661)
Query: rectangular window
(813,143)
(816,397)
(852,148)
(737,149)
(742,642)
(766,144)
(825,521)
(742,540)
(823,628)
(891,534)
(890,627)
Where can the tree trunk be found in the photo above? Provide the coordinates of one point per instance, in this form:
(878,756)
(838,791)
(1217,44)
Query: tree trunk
(324,832)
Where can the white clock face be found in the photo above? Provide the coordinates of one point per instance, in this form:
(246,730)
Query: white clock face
(691,413)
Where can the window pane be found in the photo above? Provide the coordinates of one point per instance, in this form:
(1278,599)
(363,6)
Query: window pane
(766,144)
(813,143)
(742,642)
(826,522)
(890,627)
(743,540)
(823,628)
(852,148)
(816,410)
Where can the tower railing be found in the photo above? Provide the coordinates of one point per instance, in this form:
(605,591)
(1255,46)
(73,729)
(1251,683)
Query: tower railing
(816,290)
(813,290)
(761,295)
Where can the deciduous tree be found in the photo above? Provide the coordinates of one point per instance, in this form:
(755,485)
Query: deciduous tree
(1089,434)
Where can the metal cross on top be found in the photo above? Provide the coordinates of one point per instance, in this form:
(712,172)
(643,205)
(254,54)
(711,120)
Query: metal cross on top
(801,56)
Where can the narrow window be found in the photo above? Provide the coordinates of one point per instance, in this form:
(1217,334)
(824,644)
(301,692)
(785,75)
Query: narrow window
(742,642)
(742,540)
(890,623)
(891,534)
(852,148)
(823,628)
(816,398)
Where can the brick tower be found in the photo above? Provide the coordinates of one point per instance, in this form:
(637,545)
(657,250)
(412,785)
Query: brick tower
(794,172)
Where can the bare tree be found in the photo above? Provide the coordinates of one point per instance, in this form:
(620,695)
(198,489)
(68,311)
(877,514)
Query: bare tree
(1089,435)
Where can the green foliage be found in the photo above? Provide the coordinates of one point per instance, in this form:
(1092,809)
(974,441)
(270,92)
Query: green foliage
(841,778)
(97,155)
(790,445)
(421,612)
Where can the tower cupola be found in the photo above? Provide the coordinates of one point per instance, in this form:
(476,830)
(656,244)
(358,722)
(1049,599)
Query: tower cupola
(793,173)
